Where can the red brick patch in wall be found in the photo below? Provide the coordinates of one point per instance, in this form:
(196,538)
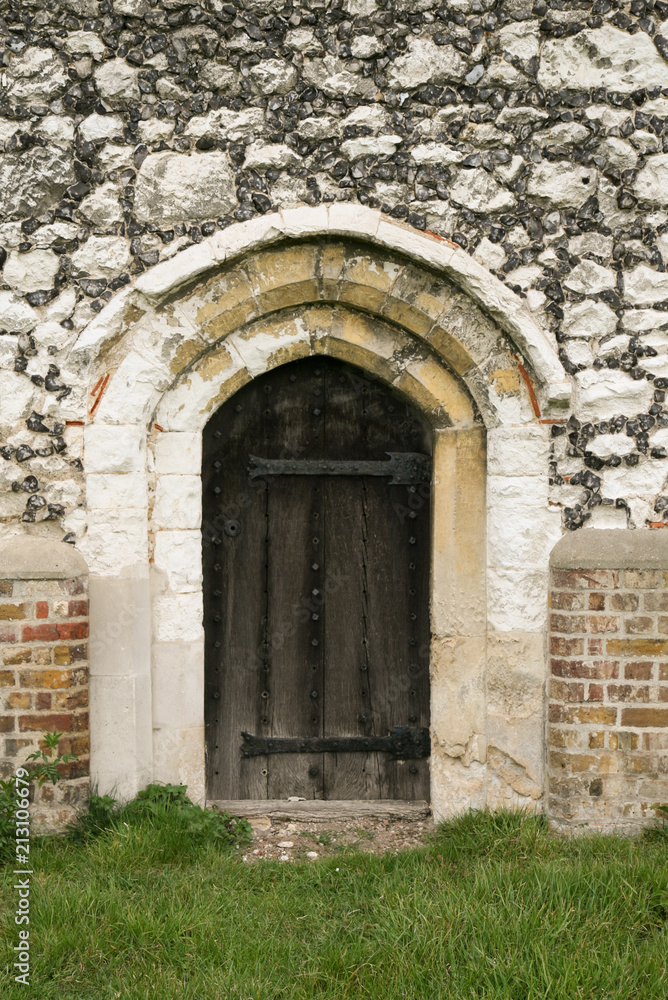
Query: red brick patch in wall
(608,695)
(44,680)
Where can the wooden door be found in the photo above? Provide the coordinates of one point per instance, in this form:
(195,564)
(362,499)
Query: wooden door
(316,580)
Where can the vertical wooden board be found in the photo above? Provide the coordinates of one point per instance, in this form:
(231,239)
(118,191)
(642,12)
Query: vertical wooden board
(295,547)
(398,678)
(348,708)
(233,669)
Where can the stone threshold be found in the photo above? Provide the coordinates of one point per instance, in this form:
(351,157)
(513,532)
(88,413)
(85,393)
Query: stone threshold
(319,810)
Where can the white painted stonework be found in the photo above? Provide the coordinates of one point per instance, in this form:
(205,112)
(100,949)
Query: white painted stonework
(182,339)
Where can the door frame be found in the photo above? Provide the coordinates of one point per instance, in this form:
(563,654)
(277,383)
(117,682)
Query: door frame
(190,338)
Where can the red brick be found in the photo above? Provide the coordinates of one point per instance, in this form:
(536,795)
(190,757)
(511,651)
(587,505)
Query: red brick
(7,633)
(566,647)
(6,678)
(47,722)
(655,600)
(602,623)
(663,671)
(595,692)
(638,670)
(19,699)
(43,701)
(6,588)
(597,670)
(567,600)
(73,630)
(638,647)
(628,692)
(597,602)
(567,623)
(571,579)
(42,609)
(595,647)
(54,679)
(583,715)
(19,654)
(72,587)
(639,717)
(77,609)
(663,693)
(6,723)
(625,602)
(642,579)
(39,633)
(69,700)
(561,691)
(12,612)
(639,625)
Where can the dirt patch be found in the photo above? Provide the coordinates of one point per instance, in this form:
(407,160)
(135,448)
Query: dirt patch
(291,840)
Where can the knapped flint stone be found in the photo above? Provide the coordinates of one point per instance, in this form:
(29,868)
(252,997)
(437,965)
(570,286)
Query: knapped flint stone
(175,186)
(30,182)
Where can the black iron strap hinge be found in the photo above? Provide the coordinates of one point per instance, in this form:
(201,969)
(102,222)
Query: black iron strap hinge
(403,743)
(404,467)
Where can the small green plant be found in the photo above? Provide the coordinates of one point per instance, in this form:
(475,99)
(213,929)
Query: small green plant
(162,809)
(47,769)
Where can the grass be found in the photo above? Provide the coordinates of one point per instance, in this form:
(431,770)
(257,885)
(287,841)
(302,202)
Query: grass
(496,907)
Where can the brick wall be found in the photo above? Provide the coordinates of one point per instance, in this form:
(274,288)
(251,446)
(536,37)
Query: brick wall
(608,694)
(44,684)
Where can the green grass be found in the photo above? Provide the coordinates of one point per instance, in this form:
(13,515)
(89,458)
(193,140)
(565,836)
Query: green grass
(496,907)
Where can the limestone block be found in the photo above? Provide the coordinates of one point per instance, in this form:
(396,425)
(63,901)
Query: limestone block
(456,787)
(588,319)
(16,316)
(178,501)
(101,127)
(102,206)
(263,157)
(179,759)
(382,145)
(490,254)
(220,77)
(478,191)
(120,626)
(120,448)
(195,397)
(366,47)
(263,345)
(178,618)
(234,125)
(113,156)
(521,535)
(31,181)
(103,256)
(426,62)
(37,76)
(561,184)
(517,451)
(121,747)
(273,76)
(178,453)
(177,560)
(117,81)
(53,128)
(84,43)
(317,128)
(116,541)
(619,154)
(16,398)
(599,395)
(134,391)
(177,676)
(457,692)
(589,278)
(648,478)
(602,57)
(332,76)
(124,490)
(643,285)
(173,186)
(606,445)
(516,599)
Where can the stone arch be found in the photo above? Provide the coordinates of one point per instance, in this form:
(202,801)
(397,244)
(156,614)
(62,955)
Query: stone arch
(164,354)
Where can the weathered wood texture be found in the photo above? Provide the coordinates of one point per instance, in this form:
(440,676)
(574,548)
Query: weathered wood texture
(316,587)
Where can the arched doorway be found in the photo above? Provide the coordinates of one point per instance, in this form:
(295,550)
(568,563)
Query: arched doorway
(316,556)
